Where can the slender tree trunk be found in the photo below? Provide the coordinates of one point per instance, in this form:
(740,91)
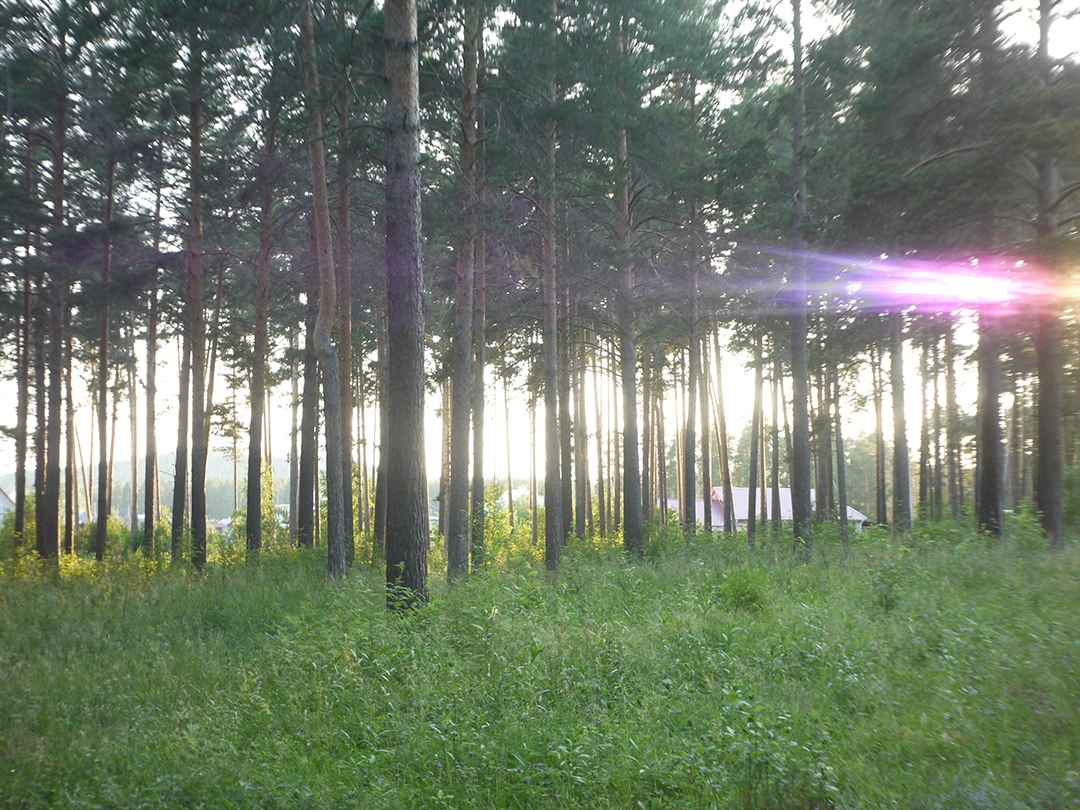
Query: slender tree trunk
(1049,494)
(406,481)
(333,394)
(294,455)
(479,359)
(937,500)
(344,300)
(800,376)
(841,465)
(533,500)
(566,424)
(755,433)
(924,431)
(706,450)
(648,457)
(461,362)
(181,467)
(880,495)
(901,465)
(309,442)
(694,363)
(379,520)
(991,500)
(196,319)
(553,518)
(444,465)
(722,438)
(633,530)
(71,489)
(775,525)
(133,422)
(150,512)
(103,374)
(582,516)
(601,496)
(253,506)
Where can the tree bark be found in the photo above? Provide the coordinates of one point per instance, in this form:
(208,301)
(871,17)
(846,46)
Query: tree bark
(901,465)
(309,442)
(755,433)
(327,316)
(800,376)
(991,501)
(406,513)
(841,465)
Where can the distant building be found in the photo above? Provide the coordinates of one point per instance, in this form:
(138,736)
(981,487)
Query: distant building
(740,501)
(6,504)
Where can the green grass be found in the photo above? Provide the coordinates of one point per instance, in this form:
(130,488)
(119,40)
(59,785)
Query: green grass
(938,674)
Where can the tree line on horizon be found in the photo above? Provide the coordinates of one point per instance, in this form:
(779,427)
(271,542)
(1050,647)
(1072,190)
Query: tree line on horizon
(614,196)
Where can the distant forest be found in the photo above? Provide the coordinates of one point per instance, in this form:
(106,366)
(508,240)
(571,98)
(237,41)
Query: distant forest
(599,204)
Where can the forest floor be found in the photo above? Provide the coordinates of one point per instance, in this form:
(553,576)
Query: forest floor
(934,672)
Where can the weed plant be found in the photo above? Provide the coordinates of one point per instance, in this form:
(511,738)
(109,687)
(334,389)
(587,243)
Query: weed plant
(936,671)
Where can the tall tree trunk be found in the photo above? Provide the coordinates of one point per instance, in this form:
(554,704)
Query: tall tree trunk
(196,318)
(133,422)
(880,496)
(601,495)
(294,455)
(901,465)
(344,283)
(1049,494)
(841,464)
(379,518)
(991,500)
(755,433)
(253,505)
(406,481)
(800,376)
(26,332)
(327,317)
(461,363)
(582,516)
(71,489)
(924,430)
(309,438)
(102,527)
(553,518)
(566,424)
(706,450)
(938,489)
(648,457)
(180,473)
(150,467)
(722,438)
(633,530)
(775,524)
(690,434)
(477,545)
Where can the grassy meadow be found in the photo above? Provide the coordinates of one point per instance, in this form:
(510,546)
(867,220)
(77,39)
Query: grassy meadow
(934,672)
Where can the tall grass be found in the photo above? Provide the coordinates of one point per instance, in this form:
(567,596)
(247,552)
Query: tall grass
(941,672)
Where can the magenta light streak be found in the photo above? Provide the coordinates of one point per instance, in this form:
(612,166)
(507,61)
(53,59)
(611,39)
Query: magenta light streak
(1000,283)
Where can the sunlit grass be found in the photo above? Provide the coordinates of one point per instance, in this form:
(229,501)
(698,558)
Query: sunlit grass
(935,672)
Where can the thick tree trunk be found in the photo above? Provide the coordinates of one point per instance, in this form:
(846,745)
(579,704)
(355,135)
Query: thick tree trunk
(406,482)
(566,424)
(103,374)
(706,449)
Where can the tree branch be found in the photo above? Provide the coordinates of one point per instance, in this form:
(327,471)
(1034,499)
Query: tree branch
(948,153)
